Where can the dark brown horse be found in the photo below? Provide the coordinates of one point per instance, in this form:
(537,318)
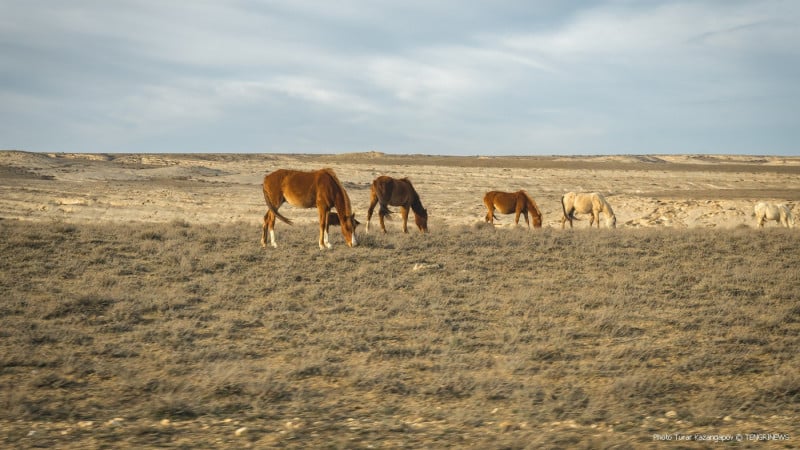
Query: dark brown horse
(512,202)
(319,188)
(396,192)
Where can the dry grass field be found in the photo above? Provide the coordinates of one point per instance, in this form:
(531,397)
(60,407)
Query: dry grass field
(140,311)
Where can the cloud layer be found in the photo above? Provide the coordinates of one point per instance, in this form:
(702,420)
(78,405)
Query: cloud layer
(416,77)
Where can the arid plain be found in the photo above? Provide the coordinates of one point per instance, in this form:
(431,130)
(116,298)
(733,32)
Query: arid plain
(671,191)
(139,309)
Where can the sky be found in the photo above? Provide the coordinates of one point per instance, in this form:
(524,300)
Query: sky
(447,77)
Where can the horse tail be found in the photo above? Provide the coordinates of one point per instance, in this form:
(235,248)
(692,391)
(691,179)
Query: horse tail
(488,201)
(272,207)
(382,192)
(571,214)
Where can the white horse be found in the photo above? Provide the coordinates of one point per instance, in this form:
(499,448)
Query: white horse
(770,211)
(585,203)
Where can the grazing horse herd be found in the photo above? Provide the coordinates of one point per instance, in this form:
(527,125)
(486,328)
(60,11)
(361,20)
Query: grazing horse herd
(322,188)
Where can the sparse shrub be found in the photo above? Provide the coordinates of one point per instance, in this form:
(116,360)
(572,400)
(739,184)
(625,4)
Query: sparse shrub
(175,407)
(781,388)
(180,223)
(151,235)
(92,304)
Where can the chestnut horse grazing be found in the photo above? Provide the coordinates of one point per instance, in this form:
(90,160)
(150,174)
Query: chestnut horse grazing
(769,211)
(512,202)
(396,192)
(319,188)
(585,203)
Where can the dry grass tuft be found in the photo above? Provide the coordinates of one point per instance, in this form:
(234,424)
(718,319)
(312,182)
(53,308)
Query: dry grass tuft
(150,335)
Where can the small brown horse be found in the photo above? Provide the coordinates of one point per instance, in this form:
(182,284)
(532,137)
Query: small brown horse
(319,188)
(396,192)
(333,219)
(512,202)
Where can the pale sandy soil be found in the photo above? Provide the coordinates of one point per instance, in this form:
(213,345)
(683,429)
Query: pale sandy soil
(646,191)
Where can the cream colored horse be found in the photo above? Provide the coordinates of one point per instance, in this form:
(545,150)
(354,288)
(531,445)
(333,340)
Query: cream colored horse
(586,203)
(770,211)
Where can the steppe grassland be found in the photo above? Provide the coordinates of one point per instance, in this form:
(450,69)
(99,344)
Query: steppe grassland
(505,338)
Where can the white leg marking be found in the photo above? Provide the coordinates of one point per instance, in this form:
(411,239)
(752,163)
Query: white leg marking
(272,239)
(325,239)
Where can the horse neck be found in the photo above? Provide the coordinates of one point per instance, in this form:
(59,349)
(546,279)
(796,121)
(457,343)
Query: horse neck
(342,203)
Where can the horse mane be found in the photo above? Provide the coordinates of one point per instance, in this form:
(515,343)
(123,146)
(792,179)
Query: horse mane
(607,206)
(343,197)
(416,202)
(531,203)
